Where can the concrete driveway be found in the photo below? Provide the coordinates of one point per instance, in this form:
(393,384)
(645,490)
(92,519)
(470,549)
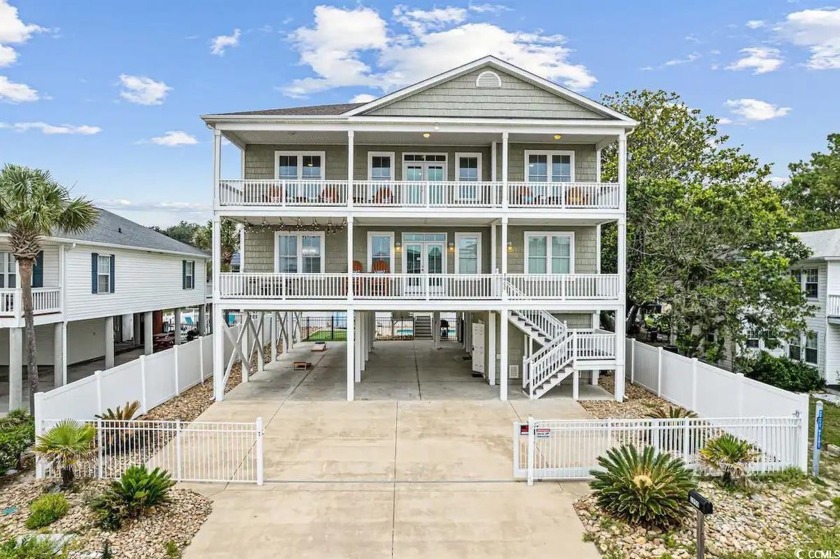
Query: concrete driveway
(387,478)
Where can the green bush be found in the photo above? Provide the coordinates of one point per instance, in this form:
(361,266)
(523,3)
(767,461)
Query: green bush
(781,372)
(132,495)
(17,433)
(64,445)
(644,489)
(729,456)
(32,548)
(46,509)
(673,412)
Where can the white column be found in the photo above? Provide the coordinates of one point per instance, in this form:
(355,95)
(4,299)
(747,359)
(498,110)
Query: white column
(59,360)
(350,258)
(351,357)
(503,355)
(202,319)
(219,363)
(363,334)
(109,342)
(217,168)
(148,337)
(491,347)
(598,248)
(598,165)
(350,162)
(493,173)
(620,314)
(357,341)
(15,368)
(493,248)
(436,329)
(505,193)
(273,337)
(177,326)
(504,245)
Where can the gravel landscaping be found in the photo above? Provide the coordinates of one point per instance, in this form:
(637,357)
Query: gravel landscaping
(637,404)
(146,537)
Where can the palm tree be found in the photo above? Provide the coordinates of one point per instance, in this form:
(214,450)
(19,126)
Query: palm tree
(64,445)
(203,239)
(33,206)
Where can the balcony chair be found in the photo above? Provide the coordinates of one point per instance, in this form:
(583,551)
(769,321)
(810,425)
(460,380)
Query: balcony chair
(379,286)
(521,196)
(357,282)
(329,195)
(273,195)
(383,196)
(576,196)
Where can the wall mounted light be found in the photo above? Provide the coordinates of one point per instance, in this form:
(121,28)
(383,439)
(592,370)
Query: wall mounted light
(426,134)
(510,246)
(451,247)
(557,136)
(398,246)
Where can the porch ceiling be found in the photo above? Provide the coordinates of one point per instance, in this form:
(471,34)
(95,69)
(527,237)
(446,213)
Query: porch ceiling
(419,221)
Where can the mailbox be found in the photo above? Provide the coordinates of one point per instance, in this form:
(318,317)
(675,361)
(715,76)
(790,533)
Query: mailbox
(700,502)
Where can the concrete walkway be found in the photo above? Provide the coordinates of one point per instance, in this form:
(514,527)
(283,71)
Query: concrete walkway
(421,469)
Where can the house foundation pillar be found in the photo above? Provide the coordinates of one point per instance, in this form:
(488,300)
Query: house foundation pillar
(491,347)
(59,355)
(351,357)
(15,368)
(109,342)
(503,355)
(202,320)
(177,326)
(148,333)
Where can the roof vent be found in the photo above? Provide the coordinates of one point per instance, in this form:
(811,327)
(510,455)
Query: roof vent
(488,80)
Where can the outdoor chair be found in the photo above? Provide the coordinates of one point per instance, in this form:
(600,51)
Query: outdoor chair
(521,195)
(384,196)
(329,195)
(379,286)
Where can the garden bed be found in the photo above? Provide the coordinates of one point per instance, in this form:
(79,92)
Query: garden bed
(637,404)
(171,525)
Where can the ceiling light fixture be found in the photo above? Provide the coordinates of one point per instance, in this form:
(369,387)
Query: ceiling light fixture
(426,134)
(557,136)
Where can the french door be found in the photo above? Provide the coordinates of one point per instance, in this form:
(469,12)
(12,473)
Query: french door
(425,257)
(419,168)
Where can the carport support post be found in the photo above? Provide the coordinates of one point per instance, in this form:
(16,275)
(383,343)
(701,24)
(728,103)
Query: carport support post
(59,355)
(273,337)
(148,337)
(202,320)
(219,327)
(109,342)
(177,327)
(436,328)
(15,368)
(351,357)
(491,346)
(503,359)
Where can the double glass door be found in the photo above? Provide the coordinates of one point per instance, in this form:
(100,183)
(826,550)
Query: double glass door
(423,168)
(425,257)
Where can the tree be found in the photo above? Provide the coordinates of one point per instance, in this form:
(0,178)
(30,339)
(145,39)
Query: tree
(33,206)
(813,194)
(203,239)
(707,235)
(184,231)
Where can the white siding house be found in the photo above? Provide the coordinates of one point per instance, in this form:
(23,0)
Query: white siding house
(94,290)
(476,192)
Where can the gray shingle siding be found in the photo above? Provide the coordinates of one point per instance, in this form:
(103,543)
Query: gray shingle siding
(459,97)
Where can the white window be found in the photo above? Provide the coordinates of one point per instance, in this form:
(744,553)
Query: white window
(549,253)
(468,167)
(467,253)
(8,270)
(811,285)
(299,252)
(306,168)
(795,349)
(381,251)
(549,166)
(380,166)
(811,348)
(189,274)
(103,274)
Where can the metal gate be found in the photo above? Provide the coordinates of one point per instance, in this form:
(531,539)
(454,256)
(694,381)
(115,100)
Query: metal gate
(199,451)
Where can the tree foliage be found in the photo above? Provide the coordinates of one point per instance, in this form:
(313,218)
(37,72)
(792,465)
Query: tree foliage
(707,235)
(203,239)
(183,231)
(813,194)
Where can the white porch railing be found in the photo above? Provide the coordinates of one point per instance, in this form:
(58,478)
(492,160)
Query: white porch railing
(833,308)
(594,344)
(419,286)
(44,300)
(417,194)
(563,286)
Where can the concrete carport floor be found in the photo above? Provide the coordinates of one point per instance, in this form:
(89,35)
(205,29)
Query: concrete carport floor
(401,474)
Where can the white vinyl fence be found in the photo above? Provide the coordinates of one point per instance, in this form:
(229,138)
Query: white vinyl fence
(708,390)
(150,380)
(569,449)
(197,452)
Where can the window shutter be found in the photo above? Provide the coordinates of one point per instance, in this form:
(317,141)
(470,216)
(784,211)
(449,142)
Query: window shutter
(94,270)
(38,271)
(183,274)
(192,279)
(113,271)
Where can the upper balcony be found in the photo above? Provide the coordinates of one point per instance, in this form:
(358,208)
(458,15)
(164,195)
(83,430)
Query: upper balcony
(832,310)
(45,300)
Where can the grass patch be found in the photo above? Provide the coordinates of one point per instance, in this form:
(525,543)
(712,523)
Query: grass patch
(338,335)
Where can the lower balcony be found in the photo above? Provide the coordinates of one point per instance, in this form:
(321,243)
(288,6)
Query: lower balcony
(422,287)
(45,300)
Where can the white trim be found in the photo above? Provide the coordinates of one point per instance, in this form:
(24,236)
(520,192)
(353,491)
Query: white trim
(301,155)
(569,234)
(64,240)
(488,73)
(299,234)
(460,235)
(445,162)
(459,155)
(549,153)
(370,245)
(424,256)
(372,154)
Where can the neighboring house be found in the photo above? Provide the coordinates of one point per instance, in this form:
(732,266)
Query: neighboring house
(477,191)
(94,290)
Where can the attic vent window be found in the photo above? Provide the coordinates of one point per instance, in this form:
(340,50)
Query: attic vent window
(488,80)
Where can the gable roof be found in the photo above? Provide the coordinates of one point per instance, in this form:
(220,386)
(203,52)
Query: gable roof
(313,110)
(823,244)
(112,229)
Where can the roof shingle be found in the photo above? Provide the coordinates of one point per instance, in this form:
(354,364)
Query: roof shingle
(313,110)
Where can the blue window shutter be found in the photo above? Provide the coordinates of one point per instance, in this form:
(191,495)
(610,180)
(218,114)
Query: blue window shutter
(192,280)
(113,271)
(94,270)
(183,274)
(38,271)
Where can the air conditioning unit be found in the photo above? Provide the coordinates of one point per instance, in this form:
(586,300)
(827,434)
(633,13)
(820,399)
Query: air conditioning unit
(513,371)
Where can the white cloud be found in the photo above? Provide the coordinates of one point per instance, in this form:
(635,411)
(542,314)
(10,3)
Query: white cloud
(724,120)
(12,29)
(760,60)
(674,62)
(130,205)
(221,42)
(143,90)
(753,109)
(755,23)
(8,56)
(363,98)
(12,92)
(488,8)
(819,31)
(356,47)
(51,129)
(174,138)
(779,181)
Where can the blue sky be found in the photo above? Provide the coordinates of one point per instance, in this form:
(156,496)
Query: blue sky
(107,95)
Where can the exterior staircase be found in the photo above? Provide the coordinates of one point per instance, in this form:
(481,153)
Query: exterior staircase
(422,327)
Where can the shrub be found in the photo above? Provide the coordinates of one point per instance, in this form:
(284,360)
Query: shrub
(46,509)
(32,548)
(64,445)
(781,372)
(132,495)
(17,432)
(125,413)
(646,489)
(673,412)
(121,437)
(729,456)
